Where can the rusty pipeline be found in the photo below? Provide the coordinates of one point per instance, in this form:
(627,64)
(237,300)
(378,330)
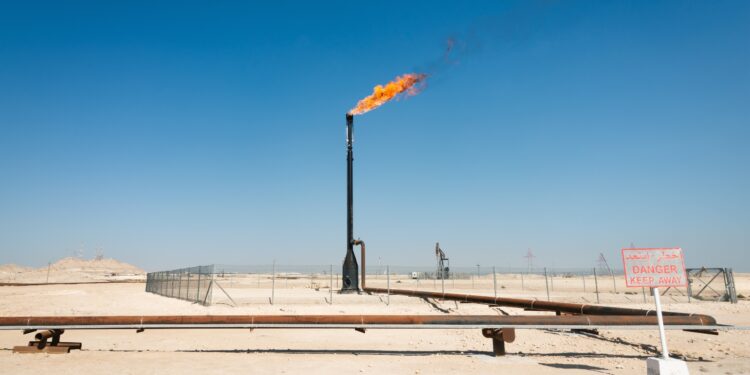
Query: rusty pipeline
(310,321)
(563,307)
(531,304)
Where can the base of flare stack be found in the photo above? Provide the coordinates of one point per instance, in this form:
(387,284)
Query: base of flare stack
(350,272)
(666,366)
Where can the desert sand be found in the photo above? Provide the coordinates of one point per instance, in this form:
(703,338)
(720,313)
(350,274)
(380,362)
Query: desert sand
(319,351)
(72,269)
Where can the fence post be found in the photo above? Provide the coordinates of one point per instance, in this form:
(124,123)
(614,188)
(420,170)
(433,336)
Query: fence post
(273,281)
(179,288)
(494,280)
(187,288)
(596,285)
(210,291)
(546,283)
(522,286)
(552,281)
(442,283)
(614,282)
(330,285)
(388,283)
(198,294)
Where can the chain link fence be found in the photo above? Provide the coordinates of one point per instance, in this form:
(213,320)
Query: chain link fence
(193,284)
(271,284)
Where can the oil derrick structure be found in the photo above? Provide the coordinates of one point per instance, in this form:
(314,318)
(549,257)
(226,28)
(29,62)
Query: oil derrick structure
(443,263)
(529,260)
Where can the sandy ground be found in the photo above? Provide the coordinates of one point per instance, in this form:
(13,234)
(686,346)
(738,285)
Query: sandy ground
(72,269)
(377,351)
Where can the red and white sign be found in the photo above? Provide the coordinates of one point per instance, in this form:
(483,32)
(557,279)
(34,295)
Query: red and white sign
(654,268)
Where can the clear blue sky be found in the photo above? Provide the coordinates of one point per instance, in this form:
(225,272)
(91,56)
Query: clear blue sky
(185,133)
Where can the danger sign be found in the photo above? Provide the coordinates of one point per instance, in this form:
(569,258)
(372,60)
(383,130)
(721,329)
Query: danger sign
(654,267)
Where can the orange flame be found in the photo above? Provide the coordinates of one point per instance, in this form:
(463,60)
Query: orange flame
(407,84)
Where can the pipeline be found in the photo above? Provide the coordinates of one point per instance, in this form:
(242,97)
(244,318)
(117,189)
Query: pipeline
(77,283)
(571,308)
(531,304)
(362,257)
(310,321)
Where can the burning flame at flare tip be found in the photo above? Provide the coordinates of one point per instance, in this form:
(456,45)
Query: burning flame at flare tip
(407,84)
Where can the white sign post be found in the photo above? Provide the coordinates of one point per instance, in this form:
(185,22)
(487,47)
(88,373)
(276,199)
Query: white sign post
(654,268)
(660,318)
